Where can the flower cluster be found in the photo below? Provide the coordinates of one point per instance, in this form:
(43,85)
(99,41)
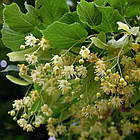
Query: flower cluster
(32,41)
(86,93)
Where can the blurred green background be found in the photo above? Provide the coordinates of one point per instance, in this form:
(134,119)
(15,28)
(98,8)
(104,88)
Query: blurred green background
(9,130)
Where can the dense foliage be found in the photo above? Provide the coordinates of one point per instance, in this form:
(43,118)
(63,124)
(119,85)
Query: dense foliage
(81,68)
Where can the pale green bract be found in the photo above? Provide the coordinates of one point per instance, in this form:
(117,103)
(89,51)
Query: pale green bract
(17,81)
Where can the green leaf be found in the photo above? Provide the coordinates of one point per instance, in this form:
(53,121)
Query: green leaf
(51,10)
(17,24)
(1,11)
(3,51)
(109,19)
(11,38)
(117,4)
(100,2)
(98,17)
(127,8)
(70,17)
(16,80)
(98,43)
(18,21)
(89,13)
(63,36)
(132,10)
(32,14)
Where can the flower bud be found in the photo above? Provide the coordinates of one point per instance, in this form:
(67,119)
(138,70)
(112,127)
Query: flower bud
(107,77)
(47,66)
(22,47)
(73,93)
(96,78)
(82,96)
(126,77)
(108,71)
(15,118)
(81,61)
(135,47)
(32,112)
(121,80)
(100,117)
(135,118)
(12,113)
(25,116)
(102,80)
(98,95)
(77,79)
(125,83)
